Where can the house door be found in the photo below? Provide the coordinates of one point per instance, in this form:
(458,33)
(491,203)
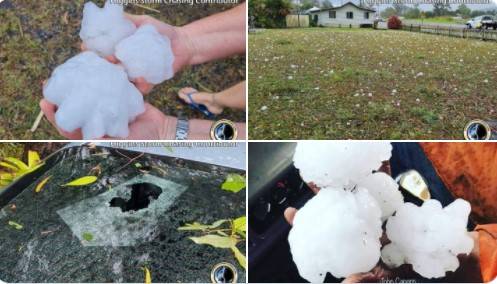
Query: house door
(316,19)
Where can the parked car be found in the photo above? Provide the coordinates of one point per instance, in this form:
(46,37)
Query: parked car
(482,22)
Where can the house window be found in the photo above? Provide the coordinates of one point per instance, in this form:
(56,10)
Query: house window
(366,15)
(333,14)
(350,15)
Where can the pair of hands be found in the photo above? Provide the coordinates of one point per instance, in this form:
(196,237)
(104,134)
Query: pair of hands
(469,270)
(152,124)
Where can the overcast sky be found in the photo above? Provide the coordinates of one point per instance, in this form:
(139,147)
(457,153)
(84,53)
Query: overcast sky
(424,6)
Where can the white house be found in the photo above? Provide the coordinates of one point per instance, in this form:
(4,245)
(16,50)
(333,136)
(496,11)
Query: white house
(347,14)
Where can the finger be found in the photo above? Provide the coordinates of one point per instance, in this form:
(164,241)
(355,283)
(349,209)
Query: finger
(290,215)
(183,94)
(367,277)
(112,59)
(83,47)
(313,187)
(49,110)
(138,20)
(143,86)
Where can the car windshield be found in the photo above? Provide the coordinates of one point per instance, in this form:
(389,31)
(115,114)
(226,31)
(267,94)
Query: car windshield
(128,219)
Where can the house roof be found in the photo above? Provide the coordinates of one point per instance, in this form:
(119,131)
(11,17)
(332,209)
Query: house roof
(339,7)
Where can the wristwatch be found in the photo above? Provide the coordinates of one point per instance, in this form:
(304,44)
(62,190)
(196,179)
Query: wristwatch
(182,129)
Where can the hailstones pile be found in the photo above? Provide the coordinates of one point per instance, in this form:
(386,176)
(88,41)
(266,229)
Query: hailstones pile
(97,97)
(344,220)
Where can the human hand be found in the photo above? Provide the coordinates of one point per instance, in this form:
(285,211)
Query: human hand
(151,125)
(180,44)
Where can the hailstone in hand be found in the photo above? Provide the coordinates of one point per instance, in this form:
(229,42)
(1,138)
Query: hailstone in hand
(385,191)
(94,95)
(428,237)
(103,28)
(147,54)
(339,163)
(337,231)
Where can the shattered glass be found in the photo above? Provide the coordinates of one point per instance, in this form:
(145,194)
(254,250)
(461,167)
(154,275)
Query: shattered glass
(53,245)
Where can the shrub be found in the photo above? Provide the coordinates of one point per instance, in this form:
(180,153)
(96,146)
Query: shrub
(394,23)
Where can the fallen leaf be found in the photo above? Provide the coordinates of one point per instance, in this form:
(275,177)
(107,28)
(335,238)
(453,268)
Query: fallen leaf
(215,241)
(240,225)
(195,226)
(42,183)
(239,256)
(148,276)
(16,226)
(87,236)
(234,183)
(82,181)
(33,159)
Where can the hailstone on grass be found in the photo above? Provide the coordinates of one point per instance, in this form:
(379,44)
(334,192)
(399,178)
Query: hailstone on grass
(339,163)
(103,28)
(147,54)
(94,95)
(337,231)
(428,237)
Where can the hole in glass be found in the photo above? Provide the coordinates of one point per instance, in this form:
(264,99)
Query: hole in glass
(141,195)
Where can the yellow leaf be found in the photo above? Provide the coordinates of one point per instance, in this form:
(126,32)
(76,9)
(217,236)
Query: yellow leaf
(239,256)
(16,225)
(200,227)
(82,181)
(33,159)
(18,163)
(234,183)
(8,166)
(42,183)
(148,276)
(215,241)
(240,225)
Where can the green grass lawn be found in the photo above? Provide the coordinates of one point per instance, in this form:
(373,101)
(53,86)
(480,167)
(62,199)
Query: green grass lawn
(440,20)
(37,36)
(368,84)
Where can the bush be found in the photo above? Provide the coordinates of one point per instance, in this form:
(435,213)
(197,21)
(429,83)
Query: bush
(394,23)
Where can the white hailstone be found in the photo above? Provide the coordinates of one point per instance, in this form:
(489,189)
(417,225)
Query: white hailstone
(337,231)
(94,95)
(147,54)
(103,28)
(428,237)
(339,163)
(385,191)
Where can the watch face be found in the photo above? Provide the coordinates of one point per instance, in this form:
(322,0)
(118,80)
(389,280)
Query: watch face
(224,130)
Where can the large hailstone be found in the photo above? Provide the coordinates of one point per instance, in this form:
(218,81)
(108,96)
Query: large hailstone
(339,163)
(428,237)
(103,28)
(337,231)
(147,54)
(385,191)
(94,95)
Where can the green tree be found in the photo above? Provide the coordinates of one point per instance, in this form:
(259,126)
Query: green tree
(388,12)
(413,13)
(327,4)
(441,9)
(269,13)
(464,11)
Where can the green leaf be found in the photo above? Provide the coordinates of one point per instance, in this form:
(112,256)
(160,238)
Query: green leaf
(239,256)
(82,181)
(16,226)
(215,241)
(195,226)
(240,225)
(87,236)
(138,165)
(234,183)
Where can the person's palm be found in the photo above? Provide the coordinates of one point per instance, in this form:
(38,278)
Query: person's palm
(180,45)
(151,125)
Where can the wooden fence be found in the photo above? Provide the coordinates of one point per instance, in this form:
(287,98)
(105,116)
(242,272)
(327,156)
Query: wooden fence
(453,31)
(292,21)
